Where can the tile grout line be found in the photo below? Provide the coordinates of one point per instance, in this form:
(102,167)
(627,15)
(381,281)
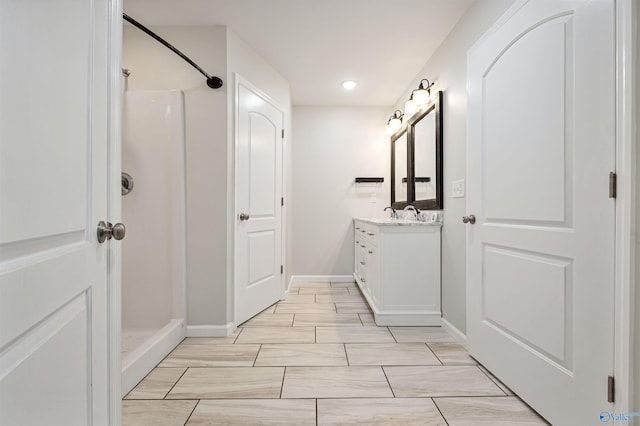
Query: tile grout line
(439,411)
(147,375)
(316,411)
(282,384)
(175,383)
(347,397)
(191,413)
(394,337)
(494,382)
(346,354)
(388,382)
(239,332)
(257,353)
(434,353)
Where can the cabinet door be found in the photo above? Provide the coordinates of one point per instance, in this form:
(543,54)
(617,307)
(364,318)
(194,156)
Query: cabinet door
(373,282)
(364,266)
(357,258)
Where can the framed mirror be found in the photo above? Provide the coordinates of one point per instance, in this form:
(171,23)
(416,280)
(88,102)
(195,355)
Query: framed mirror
(425,138)
(422,137)
(399,169)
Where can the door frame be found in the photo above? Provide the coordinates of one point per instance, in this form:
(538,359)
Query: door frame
(114,275)
(233,202)
(626,55)
(626,169)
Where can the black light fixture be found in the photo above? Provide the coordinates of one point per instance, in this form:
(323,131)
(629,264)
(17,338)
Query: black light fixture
(395,121)
(421,95)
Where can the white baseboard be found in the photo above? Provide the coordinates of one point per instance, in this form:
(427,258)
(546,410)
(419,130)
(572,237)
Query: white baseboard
(319,279)
(322,278)
(454,332)
(210,330)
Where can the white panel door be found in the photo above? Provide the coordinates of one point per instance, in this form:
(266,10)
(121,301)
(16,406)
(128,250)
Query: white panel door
(259,211)
(53,191)
(540,256)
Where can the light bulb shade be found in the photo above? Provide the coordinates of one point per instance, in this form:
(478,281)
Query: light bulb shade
(410,108)
(395,123)
(420,96)
(387,129)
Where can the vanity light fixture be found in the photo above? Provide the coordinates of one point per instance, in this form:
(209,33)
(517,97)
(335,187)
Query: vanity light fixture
(395,122)
(421,95)
(410,108)
(348,84)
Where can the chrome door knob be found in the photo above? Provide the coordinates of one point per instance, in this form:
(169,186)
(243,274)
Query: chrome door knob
(244,216)
(118,231)
(469,219)
(106,231)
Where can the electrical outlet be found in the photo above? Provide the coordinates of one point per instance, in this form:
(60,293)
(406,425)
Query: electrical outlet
(457,189)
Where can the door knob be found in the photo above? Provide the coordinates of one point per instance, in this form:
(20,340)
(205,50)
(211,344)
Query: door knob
(244,216)
(469,219)
(106,231)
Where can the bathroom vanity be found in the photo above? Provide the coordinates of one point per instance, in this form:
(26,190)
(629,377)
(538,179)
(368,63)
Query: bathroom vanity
(397,267)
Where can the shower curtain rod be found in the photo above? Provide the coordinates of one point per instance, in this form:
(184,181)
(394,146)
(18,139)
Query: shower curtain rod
(212,81)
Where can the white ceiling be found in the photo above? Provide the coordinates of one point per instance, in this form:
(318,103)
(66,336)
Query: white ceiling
(317,44)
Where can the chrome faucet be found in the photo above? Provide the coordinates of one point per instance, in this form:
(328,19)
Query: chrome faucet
(416,211)
(394,213)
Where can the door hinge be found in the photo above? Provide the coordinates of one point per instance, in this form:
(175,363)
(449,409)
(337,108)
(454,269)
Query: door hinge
(613,184)
(282,201)
(282,133)
(281,269)
(611,389)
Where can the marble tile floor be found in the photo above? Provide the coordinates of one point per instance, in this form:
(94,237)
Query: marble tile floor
(318,358)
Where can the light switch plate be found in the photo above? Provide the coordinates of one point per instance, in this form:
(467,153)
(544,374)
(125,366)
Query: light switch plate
(457,189)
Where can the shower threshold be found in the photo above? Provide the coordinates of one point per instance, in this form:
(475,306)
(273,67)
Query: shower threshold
(143,349)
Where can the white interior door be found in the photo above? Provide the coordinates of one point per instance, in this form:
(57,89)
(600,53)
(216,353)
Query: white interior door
(541,254)
(259,211)
(53,191)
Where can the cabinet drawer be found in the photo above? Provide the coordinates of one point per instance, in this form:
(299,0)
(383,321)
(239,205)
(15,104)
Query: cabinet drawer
(366,232)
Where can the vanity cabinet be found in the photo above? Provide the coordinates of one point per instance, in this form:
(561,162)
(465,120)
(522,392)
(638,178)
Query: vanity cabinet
(397,267)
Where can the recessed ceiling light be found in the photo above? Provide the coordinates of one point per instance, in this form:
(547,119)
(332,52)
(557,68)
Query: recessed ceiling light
(349,84)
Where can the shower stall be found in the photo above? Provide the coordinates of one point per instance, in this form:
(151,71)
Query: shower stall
(153,209)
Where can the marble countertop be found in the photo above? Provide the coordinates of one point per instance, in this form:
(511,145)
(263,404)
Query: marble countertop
(395,222)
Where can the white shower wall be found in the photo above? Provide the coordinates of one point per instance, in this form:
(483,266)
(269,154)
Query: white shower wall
(153,254)
(154,251)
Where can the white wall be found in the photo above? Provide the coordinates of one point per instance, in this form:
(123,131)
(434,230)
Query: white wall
(333,146)
(448,68)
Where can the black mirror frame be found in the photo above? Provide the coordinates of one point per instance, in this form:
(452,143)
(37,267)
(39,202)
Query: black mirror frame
(431,204)
(394,138)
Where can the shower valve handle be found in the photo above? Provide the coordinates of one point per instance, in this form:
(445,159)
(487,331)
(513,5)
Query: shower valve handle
(106,231)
